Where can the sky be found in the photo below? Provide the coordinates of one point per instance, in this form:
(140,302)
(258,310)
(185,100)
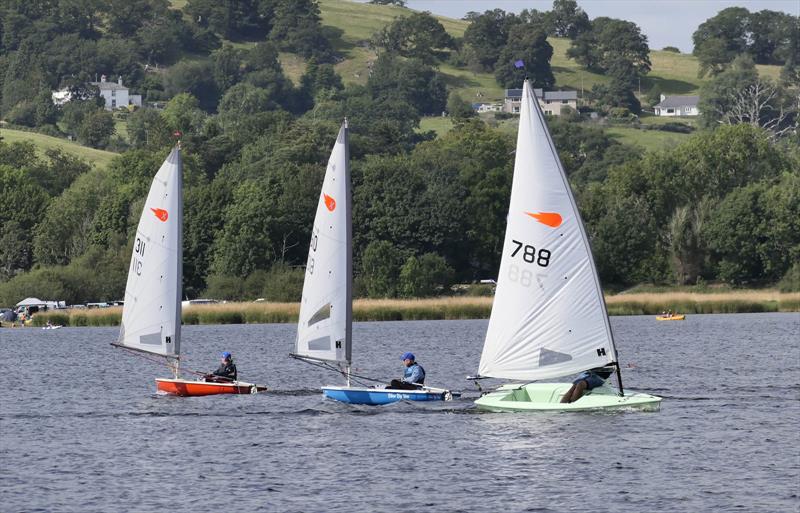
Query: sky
(665,22)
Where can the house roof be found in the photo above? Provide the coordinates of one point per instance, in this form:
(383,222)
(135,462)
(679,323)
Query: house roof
(674,102)
(109,86)
(548,95)
(32,301)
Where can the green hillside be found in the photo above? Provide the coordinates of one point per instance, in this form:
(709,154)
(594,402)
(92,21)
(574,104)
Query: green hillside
(99,158)
(673,73)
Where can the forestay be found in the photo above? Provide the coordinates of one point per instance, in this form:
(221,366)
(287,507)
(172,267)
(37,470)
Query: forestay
(324,326)
(151,317)
(549,317)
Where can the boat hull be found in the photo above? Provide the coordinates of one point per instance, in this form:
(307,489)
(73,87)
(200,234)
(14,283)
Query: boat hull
(378,396)
(670,318)
(547,397)
(189,388)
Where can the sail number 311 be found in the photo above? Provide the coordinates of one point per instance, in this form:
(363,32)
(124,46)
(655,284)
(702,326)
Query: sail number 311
(528,253)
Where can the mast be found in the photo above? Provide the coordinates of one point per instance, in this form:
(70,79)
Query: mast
(349,252)
(179,270)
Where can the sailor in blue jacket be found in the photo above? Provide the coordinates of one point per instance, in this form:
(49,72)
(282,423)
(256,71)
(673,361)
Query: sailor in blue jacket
(413,377)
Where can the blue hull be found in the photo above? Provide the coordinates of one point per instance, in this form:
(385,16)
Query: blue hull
(376,396)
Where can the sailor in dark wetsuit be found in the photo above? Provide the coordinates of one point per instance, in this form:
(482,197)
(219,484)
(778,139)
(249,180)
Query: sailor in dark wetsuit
(586,381)
(226,372)
(413,377)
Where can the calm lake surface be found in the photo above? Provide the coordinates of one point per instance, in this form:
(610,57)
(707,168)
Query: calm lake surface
(81,428)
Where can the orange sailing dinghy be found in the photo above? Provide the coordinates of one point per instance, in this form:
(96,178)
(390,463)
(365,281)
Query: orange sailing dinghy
(151,317)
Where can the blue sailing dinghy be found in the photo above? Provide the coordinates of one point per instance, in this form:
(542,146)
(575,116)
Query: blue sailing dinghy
(325,325)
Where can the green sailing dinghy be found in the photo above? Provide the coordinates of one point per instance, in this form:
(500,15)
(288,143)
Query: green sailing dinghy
(549,316)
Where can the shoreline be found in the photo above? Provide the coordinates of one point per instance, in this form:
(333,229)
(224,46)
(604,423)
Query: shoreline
(445,308)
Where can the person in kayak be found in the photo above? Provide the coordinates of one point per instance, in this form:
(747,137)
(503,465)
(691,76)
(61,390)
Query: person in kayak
(587,380)
(226,372)
(413,377)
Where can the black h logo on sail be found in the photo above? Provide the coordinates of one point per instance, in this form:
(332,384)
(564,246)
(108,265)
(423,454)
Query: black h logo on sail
(169,340)
(601,351)
(338,344)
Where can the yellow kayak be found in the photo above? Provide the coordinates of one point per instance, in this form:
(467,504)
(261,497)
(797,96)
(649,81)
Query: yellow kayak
(670,317)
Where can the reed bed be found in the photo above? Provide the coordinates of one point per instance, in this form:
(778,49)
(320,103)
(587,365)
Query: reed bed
(462,307)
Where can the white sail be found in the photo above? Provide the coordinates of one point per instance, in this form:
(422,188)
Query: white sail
(151,317)
(325,323)
(549,317)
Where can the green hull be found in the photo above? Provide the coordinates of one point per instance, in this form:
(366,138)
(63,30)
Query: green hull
(547,397)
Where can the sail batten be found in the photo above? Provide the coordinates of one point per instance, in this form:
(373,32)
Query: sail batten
(324,330)
(548,318)
(151,317)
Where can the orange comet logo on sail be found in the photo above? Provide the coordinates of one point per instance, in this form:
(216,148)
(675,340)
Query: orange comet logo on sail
(551,219)
(329,202)
(160,213)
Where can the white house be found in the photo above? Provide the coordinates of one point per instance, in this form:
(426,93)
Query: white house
(677,106)
(551,101)
(487,107)
(117,95)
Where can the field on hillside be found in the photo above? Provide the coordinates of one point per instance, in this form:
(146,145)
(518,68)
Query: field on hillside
(99,158)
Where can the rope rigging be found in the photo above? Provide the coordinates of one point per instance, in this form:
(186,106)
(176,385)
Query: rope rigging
(335,368)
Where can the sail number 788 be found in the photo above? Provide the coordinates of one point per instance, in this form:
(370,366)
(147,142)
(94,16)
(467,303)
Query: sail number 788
(529,254)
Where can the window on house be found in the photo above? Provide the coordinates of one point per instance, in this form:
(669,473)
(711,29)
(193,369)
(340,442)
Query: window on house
(113,102)
(113,92)
(670,111)
(565,102)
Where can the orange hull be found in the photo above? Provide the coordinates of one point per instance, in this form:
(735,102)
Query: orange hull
(187,388)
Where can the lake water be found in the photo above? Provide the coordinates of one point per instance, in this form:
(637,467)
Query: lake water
(81,428)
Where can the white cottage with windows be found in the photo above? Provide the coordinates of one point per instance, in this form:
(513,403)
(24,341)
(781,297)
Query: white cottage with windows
(116,95)
(677,106)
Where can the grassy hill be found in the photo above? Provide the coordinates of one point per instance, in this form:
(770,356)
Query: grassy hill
(99,158)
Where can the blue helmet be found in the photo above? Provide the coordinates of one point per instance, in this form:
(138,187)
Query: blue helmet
(226,355)
(408,356)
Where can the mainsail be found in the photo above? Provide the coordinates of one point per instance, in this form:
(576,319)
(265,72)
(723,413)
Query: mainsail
(151,317)
(549,317)
(325,323)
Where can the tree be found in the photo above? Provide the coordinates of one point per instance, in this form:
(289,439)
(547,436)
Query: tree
(686,243)
(97,128)
(530,47)
(417,36)
(380,269)
(411,80)
(147,128)
(719,39)
(458,108)
(182,113)
(15,250)
(764,105)
(195,78)
(297,28)
(425,276)
(232,19)
(228,63)
(716,94)
(486,36)
(614,47)
(567,19)
(615,94)
(770,36)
